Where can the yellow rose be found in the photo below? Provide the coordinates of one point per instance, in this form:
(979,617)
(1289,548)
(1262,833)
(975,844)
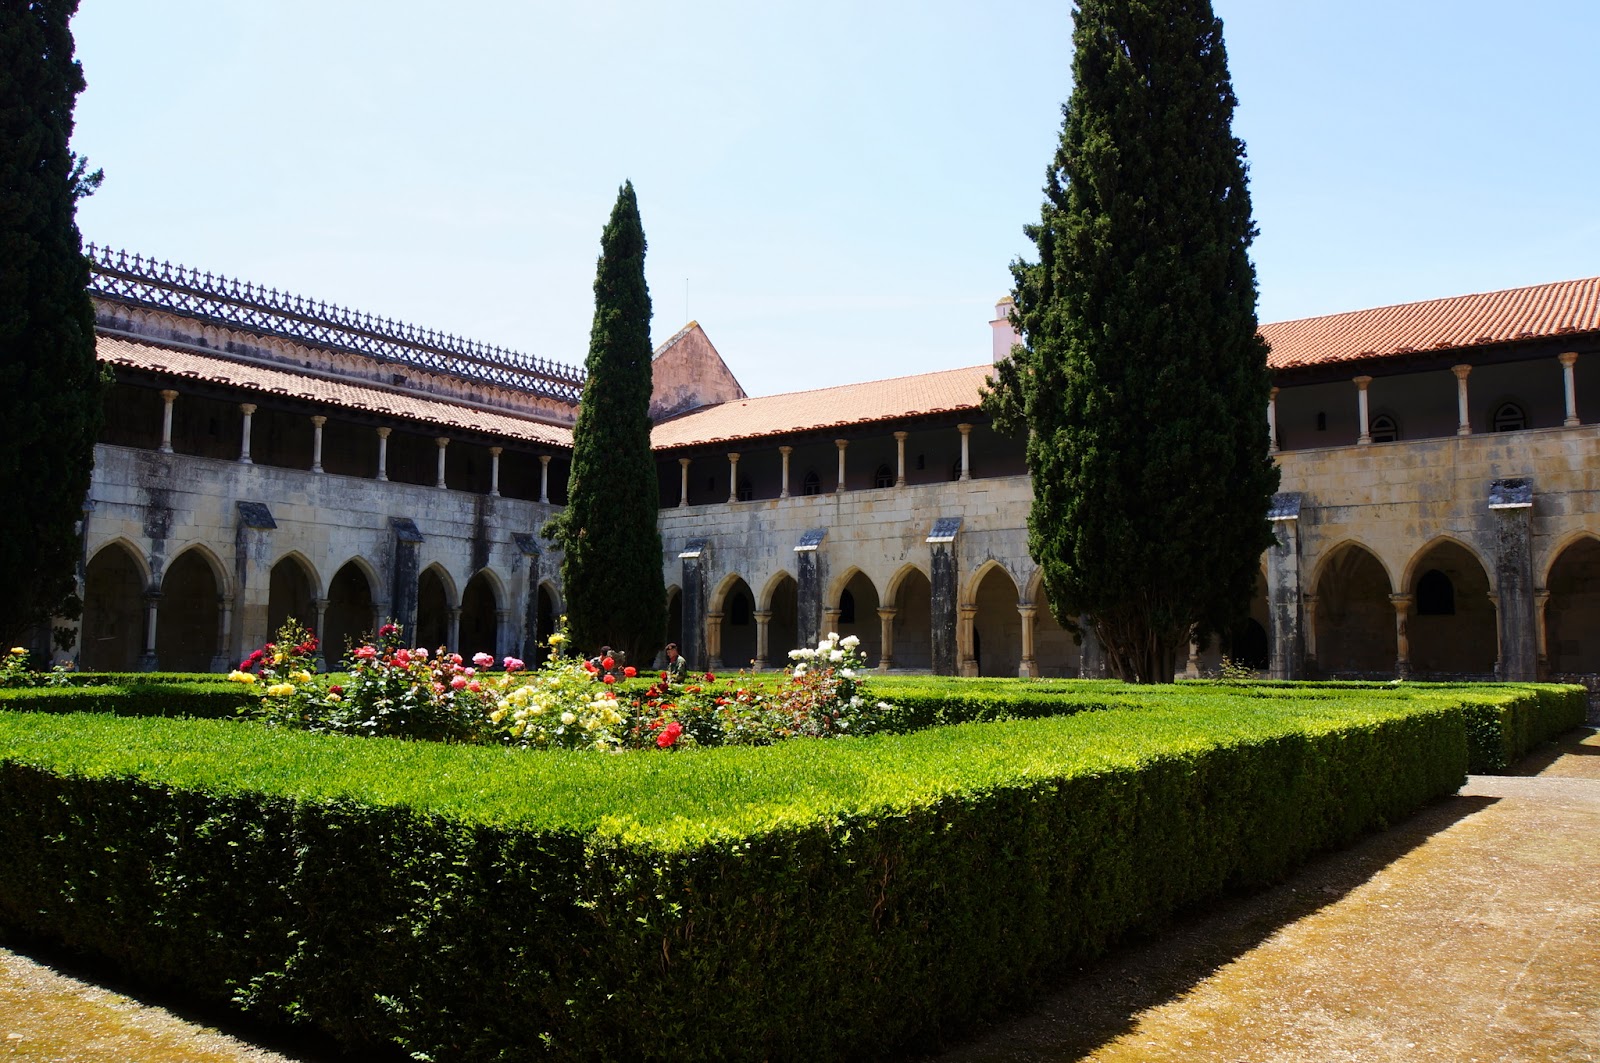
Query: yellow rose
(280,690)
(301,676)
(19,651)
(241,677)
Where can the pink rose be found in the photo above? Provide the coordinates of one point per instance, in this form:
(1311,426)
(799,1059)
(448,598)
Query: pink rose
(513,665)
(366,653)
(402,657)
(420,653)
(458,683)
(475,686)
(483,660)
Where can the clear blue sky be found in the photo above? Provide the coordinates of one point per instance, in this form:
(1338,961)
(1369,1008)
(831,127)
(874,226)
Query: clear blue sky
(841,186)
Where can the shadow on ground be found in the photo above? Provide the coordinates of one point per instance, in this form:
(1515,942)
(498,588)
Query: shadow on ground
(1102,1001)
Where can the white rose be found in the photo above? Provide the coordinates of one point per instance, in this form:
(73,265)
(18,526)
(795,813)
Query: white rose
(850,642)
(568,718)
(847,673)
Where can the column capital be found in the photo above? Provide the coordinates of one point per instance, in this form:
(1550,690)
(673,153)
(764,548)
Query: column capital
(785,451)
(681,461)
(1567,359)
(1461,370)
(497,451)
(383,433)
(902,436)
(1027,609)
(964,428)
(248,408)
(762,615)
(544,459)
(1402,601)
(442,441)
(1273,394)
(319,419)
(733,457)
(841,443)
(1361,381)
(170,395)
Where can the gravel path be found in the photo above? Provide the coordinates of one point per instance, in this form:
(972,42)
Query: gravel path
(1469,932)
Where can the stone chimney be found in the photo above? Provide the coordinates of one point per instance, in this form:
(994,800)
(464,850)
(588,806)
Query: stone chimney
(1004,335)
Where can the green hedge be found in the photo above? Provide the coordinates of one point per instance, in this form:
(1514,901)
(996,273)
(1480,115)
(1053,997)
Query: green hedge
(203,700)
(807,900)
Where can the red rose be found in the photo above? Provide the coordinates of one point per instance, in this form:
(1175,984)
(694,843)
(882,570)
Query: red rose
(609,678)
(336,689)
(669,735)
(630,671)
(608,663)
(663,677)
(710,678)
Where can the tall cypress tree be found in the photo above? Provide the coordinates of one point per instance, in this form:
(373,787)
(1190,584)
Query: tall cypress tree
(612,566)
(1142,381)
(50,394)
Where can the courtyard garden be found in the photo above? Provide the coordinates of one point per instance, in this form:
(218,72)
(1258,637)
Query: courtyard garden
(472,858)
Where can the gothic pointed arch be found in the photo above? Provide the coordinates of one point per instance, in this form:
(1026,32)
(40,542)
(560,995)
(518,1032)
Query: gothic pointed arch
(1452,627)
(292,593)
(187,630)
(479,628)
(995,640)
(114,585)
(350,617)
(1572,612)
(436,600)
(1354,619)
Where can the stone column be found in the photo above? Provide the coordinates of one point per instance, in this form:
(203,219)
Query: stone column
(966,623)
(168,397)
(966,463)
(693,643)
(317,421)
(830,621)
(1568,383)
(452,637)
(900,451)
(225,659)
(683,490)
(502,633)
(152,603)
(783,491)
(1361,383)
(808,597)
(383,453)
(763,648)
(1193,669)
(886,637)
(321,605)
(714,640)
(1541,601)
(1511,507)
(494,471)
(1310,634)
(945,647)
(544,478)
(1028,668)
(1402,639)
(841,444)
(249,409)
(1285,623)
(1272,421)
(442,442)
(733,476)
(1464,419)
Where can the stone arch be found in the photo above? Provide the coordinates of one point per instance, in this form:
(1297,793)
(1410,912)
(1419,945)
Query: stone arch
(910,593)
(1414,566)
(674,616)
(292,593)
(1572,612)
(1056,650)
(1464,640)
(737,603)
(114,584)
(350,614)
(548,609)
(186,618)
(858,592)
(780,598)
(1353,626)
(436,599)
(994,640)
(478,628)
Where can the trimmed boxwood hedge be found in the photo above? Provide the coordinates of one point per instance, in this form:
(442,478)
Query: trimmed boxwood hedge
(807,900)
(172,697)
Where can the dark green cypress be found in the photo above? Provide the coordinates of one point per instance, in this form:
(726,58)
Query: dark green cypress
(1142,381)
(50,391)
(612,564)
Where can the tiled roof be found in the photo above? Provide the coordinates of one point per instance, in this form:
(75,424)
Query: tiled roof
(802,411)
(169,361)
(1538,312)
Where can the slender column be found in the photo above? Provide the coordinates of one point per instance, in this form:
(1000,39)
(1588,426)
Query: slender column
(1029,666)
(1272,421)
(544,478)
(841,444)
(383,453)
(1402,640)
(714,639)
(1541,599)
(1463,418)
(317,421)
(733,476)
(502,634)
(1310,633)
(152,602)
(442,441)
(453,636)
(1568,383)
(886,637)
(763,618)
(966,464)
(900,449)
(967,615)
(167,399)
(225,657)
(494,471)
(321,605)
(1193,671)
(249,409)
(783,492)
(1361,383)
(683,490)
(830,621)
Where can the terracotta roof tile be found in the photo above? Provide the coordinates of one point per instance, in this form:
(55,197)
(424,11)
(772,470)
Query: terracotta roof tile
(1537,312)
(214,369)
(849,404)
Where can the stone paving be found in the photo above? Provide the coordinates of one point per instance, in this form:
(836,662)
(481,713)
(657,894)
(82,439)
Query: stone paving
(1471,932)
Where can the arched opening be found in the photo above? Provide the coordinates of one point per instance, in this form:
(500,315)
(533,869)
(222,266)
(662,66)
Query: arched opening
(674,619)
(738,626)
(913,622)
(1508,417)
(290,597)
(1572,615)
(863,623)
(883,477)
(433,610)
(480,622)
(1354,619)
(186,619)
(113,612)
(349,616)
(1460,641)
(811,484)
(1055,654)
(996,629)
(1248,641)
(1384,429)
(783,629)
(546,617)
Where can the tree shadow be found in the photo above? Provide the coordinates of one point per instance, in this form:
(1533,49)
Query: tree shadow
(1104,999)
(1579,742)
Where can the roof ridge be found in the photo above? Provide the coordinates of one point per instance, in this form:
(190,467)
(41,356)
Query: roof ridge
(1547,286)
